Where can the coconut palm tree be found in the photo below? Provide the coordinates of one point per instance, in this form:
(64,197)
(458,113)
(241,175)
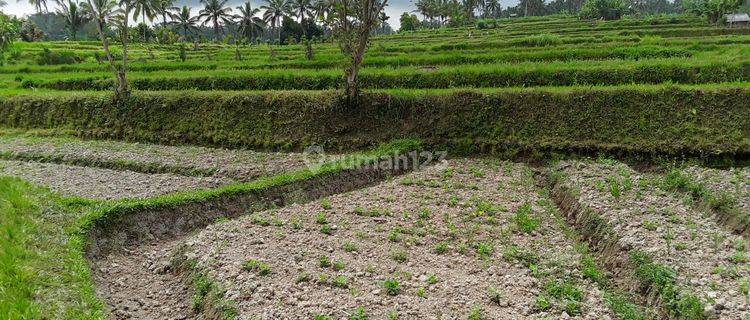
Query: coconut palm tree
(145,9)
(300,8)
(101,11)
(73,16)
(215,11)
(247,22)
(182,19)
(275,11)
(39,5)
(163,7)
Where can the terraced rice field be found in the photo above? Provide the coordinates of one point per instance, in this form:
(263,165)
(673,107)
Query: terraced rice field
(193,199)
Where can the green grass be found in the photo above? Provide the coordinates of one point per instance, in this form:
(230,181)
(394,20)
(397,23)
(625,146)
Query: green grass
(42,270)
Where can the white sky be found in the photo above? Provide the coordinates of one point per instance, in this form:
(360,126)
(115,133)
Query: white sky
(394,9)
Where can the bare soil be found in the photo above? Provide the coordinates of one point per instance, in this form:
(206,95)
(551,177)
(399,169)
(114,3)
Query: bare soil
(241,165)
(473,237)
(710,261)
(104,184)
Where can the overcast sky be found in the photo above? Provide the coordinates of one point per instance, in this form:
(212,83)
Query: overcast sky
(394,8)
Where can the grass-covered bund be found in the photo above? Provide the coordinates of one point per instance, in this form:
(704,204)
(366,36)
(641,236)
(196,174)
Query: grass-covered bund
(661,119)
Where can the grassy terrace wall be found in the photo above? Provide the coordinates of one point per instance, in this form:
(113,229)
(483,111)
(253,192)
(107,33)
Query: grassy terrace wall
(641,119)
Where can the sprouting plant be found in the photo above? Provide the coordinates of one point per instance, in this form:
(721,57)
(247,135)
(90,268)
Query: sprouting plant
(349,246)
(326,204)
(392,287)
(322,278)
(359,314)
(432,279)
(524,220)
(302,277)
(441,247)
(424,213)
(324,262)
(338,265)
(485,250)
(256,266)
(321,218)
(476,313)
(340,282)
(399,256)
(614,187)
(649,225)
(326,229)
(495,295)
(322,317)
(420,292)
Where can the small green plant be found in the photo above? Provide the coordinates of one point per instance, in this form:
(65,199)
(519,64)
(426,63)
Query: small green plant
(326,204)
(495,295)
(524,219)
(349,246)
(432,279)
(302,277)
(322,317)
(340,282)
(256,266)
(392,287)
(324,262)
(399,256)
(485,250)
(649,225)
(441,248)
(326,229)
(321,218)
(359,314)
(420,292)
(476,313)
(338,265)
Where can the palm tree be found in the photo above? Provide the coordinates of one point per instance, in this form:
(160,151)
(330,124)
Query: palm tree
(39,5)
(383,18)
(146,9)
(275,10)
(163,7)
(247,22)
(184,21)
(215,11)
(300,8)
(101,11)
(74,18)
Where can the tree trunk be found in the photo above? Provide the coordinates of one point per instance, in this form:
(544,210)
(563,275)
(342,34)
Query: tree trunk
(216,30)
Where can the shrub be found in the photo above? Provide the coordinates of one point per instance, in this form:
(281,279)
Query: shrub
(49,57)
(603,9)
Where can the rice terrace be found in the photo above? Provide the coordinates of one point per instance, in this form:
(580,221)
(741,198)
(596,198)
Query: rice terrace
(373,159)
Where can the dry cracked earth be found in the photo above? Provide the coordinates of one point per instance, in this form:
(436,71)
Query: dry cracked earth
(464,239)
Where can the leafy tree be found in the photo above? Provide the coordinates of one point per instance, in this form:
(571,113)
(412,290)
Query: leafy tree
(182,19)
(603,9)
(248,25)
(74,18)
(409,22)
(215,12)
(353,22)
(30,32)
(274,11)
(103,12)
(8,32)
(713,10)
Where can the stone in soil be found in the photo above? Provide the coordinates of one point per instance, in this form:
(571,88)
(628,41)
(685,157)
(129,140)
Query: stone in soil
(103,184)
(471,236)
(710,262)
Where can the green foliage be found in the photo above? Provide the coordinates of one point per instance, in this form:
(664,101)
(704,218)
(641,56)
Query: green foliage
(525,220)
(603,9)
(713,10)
(392,287)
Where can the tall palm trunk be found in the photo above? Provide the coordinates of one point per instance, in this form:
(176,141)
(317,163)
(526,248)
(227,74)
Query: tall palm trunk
(216,30)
